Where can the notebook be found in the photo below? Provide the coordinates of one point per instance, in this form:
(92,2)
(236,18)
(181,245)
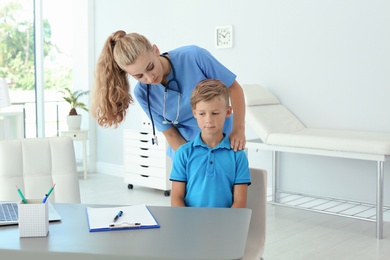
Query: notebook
(9,213)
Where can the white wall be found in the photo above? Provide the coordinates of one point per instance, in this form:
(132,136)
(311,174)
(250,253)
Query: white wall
(327,61)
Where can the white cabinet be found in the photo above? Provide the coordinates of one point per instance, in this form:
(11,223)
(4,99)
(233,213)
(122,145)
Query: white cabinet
(146,164)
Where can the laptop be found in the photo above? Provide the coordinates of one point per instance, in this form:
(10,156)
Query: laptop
(9,213)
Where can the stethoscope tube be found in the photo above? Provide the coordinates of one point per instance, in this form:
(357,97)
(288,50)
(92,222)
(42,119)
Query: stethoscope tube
(154,138)
(165,121)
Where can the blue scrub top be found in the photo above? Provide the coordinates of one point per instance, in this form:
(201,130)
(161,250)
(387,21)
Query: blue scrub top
(192,65)
(209,173)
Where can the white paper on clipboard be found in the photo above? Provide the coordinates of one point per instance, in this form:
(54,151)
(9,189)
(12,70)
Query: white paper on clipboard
(100,219)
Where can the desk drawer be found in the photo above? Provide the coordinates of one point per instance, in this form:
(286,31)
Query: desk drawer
(76,135)
(148,181)
(138,135)
(144,160)
(144,145)
(145,137)
(158,172)
(145,152)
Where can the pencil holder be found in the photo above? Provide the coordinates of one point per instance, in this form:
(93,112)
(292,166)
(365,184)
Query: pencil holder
(33,218)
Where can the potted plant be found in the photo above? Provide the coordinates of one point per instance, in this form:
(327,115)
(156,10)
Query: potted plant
(72,97)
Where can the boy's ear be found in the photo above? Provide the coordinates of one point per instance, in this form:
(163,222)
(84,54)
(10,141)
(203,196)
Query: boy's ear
(229,112)
(194,112)
(156,50)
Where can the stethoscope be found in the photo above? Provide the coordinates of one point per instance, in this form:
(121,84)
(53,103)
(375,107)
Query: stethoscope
(165,121)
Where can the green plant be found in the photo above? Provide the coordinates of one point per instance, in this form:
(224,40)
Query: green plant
(72,98)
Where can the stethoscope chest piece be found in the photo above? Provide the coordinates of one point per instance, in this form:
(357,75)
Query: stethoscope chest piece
(154,139)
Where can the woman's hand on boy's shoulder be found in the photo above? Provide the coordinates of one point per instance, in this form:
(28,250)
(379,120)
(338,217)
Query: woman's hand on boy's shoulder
(237,140)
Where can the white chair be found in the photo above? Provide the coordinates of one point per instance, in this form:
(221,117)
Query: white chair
(34,165)
(257,202)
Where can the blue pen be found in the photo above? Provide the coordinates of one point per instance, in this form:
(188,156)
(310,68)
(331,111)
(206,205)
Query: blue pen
(48,194)
(118,215)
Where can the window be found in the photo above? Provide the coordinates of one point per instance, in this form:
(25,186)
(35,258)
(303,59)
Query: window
(37,60)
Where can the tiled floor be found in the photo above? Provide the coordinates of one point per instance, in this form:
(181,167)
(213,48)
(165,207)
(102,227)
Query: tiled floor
(292,234)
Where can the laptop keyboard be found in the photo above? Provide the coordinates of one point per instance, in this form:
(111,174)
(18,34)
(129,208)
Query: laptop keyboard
(9,212)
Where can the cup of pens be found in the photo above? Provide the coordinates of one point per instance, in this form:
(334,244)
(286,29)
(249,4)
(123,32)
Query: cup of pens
(33,216)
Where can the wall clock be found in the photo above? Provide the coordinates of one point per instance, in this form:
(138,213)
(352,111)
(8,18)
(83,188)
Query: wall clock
(224,36)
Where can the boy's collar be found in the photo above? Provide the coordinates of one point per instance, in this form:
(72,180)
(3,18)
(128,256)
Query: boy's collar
(225,143)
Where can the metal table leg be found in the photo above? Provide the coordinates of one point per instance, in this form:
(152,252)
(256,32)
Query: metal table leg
(379,201)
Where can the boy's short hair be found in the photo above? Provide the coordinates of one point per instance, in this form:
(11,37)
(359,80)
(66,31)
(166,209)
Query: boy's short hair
(208,89)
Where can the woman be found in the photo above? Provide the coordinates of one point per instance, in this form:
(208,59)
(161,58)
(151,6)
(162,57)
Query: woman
(165,84)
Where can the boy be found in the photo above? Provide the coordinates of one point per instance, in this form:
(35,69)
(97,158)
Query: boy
(206,172)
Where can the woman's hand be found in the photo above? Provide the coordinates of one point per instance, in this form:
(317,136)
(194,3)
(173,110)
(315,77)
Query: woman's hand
(237,139)
(237,136)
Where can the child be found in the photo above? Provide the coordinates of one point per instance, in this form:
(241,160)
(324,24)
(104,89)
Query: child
(207,172)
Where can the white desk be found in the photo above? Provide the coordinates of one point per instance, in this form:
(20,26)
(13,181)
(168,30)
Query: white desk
(185,233)
(80,135)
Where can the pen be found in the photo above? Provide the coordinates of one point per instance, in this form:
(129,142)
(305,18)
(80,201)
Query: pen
(21,195)
(118,215)
(48,194)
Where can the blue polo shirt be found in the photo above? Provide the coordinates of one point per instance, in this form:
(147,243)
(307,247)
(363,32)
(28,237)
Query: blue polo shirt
(210,173)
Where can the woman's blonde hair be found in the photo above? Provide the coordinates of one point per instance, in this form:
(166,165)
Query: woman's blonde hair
(208,89)
(111,94)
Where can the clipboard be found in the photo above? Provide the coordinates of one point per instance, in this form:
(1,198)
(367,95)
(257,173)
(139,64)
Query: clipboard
(133,217)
